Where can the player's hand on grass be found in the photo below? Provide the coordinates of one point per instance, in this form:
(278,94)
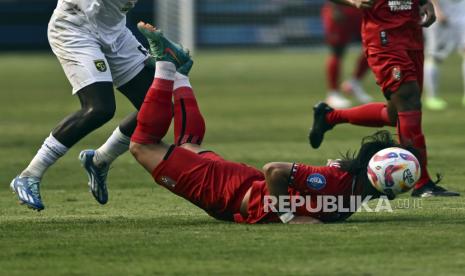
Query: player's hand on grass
(428,16)
(362,4)
(304,220)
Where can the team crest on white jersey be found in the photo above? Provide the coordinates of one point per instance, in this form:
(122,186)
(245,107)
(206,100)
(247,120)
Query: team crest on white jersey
(100,65)
(400,5)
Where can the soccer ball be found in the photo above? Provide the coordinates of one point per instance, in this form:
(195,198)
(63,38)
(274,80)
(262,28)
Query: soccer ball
(393,171)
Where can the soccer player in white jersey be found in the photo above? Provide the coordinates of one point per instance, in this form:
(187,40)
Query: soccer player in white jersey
(97,53)
(445,36)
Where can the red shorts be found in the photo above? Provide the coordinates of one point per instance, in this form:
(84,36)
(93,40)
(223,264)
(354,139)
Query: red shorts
(394,68)
(341,24)
(207,180)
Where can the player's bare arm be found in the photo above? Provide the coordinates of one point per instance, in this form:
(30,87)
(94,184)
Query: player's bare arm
(427,13)
(359,4)
(277,177)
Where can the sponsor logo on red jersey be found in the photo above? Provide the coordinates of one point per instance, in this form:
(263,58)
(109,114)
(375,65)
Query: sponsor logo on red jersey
(400,5)
(316,181)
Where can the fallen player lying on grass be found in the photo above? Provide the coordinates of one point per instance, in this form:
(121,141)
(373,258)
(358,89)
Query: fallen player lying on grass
(228,190)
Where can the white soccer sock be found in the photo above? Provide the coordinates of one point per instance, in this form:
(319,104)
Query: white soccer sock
(431,77)
(181,81)
(116,145)
(47,155)
(165,70)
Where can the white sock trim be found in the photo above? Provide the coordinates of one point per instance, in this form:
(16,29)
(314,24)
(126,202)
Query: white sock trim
(181,81)
(165,70)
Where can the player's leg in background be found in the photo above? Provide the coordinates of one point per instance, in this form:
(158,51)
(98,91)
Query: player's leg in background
(370,115)
(438,45)
(333,20)
(334,96)
(432,100)
(354,85)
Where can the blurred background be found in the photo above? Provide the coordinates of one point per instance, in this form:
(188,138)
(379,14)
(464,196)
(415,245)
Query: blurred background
(203,23)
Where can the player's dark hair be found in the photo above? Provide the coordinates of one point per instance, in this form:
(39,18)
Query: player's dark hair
(356,163)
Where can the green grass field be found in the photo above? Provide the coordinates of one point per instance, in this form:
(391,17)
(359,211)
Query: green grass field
(258,109)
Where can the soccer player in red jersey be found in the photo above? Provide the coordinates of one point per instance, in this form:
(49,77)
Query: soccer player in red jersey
(341,25)
(228,190)
(393,40)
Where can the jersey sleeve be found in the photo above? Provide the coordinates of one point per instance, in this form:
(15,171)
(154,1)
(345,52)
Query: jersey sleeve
(319,180)
(327,180)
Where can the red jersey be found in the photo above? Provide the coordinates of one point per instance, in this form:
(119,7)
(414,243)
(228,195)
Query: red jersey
(306,181)
(392,25)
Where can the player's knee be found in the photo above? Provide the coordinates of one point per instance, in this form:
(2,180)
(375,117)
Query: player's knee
(100,115)
(136,149)
(408,97)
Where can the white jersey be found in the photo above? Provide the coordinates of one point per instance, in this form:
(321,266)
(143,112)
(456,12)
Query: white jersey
(442,39)
(106,17)
(453,8)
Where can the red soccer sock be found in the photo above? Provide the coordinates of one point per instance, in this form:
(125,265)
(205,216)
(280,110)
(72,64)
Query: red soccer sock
(410,133)
(333,69)
(370,115)
(361,68)
(189,124)
(156,113)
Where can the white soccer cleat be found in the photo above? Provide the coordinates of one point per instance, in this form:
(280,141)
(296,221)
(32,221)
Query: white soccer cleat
(353,87)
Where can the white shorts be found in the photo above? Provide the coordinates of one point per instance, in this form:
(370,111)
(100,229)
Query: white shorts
(441,40)
(87,59)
